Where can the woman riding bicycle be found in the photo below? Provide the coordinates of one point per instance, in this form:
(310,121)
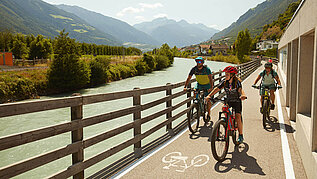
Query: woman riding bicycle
(268,81)
(233,88)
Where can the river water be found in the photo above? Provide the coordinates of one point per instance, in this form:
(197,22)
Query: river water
(21,123)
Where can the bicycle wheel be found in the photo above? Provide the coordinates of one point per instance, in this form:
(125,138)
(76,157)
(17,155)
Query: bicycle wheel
(219,140)
(204,111)
(265,113)
(194,114)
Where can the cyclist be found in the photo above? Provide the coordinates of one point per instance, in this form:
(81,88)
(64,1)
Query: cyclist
(235,95)
(204,79)
(268,81)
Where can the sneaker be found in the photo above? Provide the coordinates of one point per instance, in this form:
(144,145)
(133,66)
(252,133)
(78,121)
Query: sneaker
(240,139)
(272,106)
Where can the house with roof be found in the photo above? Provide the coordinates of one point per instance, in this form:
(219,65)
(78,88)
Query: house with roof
(264,45)
(204,49)
(219,49)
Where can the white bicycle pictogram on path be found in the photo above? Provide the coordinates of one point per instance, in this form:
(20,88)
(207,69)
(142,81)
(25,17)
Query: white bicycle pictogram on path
(175,159)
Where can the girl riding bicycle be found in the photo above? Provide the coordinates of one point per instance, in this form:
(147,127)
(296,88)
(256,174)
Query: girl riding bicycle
(233,88)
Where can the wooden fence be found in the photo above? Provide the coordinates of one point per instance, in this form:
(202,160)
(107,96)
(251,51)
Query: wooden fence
(78,123)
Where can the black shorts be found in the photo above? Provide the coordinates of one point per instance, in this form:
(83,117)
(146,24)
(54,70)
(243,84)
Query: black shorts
(237,106)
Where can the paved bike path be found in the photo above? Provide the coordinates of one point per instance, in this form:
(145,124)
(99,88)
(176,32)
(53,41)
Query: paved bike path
(260,156)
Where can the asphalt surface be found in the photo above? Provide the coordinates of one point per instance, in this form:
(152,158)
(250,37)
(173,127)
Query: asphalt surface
(261,155)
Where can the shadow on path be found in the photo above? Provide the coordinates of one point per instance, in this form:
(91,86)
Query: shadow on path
(273,125)
(241,161)
(203,131)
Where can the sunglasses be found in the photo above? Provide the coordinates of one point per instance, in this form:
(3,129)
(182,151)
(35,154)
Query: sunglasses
(199,61)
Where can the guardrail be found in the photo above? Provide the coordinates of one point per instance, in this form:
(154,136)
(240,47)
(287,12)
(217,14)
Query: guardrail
(78,123)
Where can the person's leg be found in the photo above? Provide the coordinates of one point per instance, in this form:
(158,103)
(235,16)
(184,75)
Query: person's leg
(240,125)
(272,92)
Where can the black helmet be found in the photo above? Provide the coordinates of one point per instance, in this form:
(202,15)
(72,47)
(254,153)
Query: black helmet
(268,65)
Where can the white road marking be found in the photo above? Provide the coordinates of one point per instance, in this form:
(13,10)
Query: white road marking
(176,160)
(288,165)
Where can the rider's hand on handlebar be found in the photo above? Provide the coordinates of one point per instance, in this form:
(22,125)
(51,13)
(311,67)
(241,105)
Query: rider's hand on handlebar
(254,86)
(279,86)
(243,97)
(185,89)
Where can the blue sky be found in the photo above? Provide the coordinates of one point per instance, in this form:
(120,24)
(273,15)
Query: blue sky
(213,13)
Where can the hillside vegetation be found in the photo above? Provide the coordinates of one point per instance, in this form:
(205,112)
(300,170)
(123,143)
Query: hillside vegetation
(254,19)
(38,17)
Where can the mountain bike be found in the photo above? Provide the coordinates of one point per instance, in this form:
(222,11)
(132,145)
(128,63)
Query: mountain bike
(266,104)
(198,109)
(225,126)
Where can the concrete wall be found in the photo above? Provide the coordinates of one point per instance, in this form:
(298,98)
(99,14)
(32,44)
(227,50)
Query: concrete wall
(300,40)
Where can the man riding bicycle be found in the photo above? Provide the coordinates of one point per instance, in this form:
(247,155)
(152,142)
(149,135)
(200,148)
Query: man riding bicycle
(269,76)
(204,79)
(235,95)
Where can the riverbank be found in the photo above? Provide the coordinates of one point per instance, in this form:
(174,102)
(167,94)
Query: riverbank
(30,84)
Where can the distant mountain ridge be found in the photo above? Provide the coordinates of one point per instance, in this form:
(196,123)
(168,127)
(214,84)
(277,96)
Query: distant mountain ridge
(38,17)
(119,29)
(176,33)
(254,19)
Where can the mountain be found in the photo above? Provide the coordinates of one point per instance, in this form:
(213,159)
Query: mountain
(275,30)
(119,29)
(254,19)
(38,17)
(176,33)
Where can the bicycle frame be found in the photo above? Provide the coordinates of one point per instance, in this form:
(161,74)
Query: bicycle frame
(200,97)
(229,115)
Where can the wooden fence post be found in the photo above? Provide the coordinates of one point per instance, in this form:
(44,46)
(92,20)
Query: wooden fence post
(137,128)
(220,79)
(77,135)
(188,96)
(168,105)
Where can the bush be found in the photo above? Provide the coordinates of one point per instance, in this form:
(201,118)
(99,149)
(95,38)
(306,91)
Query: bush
(141,67)
(228,59)
(150,61)
(14,87)
(98,72)
(162,62)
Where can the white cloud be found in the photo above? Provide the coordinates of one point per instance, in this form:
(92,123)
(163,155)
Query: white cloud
(133,10)
(160,15)
(130,10)
(213,26)
(139,18)
(151,6)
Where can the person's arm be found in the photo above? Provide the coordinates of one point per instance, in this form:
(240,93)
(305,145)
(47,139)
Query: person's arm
(278,80)
(257,79)
(187,81)
(211,81)
(213,92)
(243,96)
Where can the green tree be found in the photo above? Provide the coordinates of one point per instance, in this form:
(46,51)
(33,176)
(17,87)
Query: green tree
(166,51)
(6,40)
(67,71)
(40,48)
(20,49)
(243,45)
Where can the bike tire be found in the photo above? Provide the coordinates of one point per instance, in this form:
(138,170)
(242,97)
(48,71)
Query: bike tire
(194,114)
(221,136)
(206,120)
(265,113)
